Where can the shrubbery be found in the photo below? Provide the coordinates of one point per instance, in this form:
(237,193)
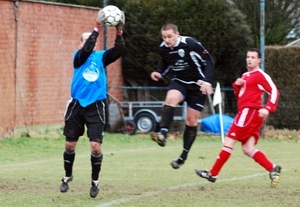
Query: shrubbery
(283,65)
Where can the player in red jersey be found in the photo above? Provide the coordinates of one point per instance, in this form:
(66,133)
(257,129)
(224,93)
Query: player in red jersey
(249,119)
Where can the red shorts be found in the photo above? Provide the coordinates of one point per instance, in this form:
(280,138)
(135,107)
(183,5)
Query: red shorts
(246,123)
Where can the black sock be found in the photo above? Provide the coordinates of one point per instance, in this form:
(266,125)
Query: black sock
(189,137)
(167,114)
(184,154)
(164,132)
(96,161)
(69,158)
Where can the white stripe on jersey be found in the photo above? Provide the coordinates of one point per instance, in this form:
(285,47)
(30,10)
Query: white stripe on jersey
(194,57)
(186,82)
(273,94)
(166,71)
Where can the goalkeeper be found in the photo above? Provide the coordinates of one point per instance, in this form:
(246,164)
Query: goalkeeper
(87,104)
(192,68)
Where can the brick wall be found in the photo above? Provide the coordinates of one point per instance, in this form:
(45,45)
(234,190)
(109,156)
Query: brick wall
(7,65)
(37,41)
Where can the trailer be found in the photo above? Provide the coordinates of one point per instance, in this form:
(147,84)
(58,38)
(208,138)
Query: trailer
(144,116)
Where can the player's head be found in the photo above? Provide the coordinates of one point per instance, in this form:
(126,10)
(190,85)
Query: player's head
(253,58)
(170,34)
(84,36)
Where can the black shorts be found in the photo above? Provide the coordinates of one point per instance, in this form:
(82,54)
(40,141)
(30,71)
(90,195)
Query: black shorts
(191,93)
(76,117)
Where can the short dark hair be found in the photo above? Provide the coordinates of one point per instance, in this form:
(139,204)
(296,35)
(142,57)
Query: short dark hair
(255,50)
(169,26)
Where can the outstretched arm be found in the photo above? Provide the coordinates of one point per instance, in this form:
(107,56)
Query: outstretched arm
(88,47)
(117,51)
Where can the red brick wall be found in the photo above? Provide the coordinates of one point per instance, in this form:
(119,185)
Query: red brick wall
(36,60)
(7,67)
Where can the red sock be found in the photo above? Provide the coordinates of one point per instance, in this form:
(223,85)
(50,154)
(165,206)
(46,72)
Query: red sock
(220,161)
(261,159)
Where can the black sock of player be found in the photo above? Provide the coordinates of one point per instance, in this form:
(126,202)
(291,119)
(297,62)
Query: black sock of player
(69,158)
(167,114)
(96,161)
(164,132)
(189,137)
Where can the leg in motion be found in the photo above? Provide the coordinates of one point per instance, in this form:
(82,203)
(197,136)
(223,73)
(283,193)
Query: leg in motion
(96,162)
(189,137)
(69,158)
(211,175)
(259,157)
(173,97)
(167,115)
(263,161)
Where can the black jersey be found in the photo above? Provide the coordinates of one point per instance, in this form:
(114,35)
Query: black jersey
(188,60)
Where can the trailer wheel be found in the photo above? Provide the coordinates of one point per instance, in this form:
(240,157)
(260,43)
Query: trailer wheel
(145,122)
(129,128)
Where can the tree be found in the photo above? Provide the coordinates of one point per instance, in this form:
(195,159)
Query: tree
(281,17)
(217,24)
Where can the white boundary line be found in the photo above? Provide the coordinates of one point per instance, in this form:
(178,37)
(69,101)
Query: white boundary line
(126,199)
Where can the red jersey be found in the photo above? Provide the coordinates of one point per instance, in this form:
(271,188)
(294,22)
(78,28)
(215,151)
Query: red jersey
(249,94)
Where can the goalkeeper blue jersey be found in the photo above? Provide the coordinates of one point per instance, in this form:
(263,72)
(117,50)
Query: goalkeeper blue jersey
(89,80)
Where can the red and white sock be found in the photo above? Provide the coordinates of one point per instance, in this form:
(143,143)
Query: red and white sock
(262,160)
(220,161)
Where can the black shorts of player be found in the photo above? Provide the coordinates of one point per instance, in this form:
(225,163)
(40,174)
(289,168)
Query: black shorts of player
(76,117)
(191,93)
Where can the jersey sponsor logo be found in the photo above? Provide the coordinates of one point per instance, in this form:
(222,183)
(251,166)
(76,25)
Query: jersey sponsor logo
(91,73)
(180,65)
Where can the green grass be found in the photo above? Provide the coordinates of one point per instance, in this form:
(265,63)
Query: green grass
(136,172)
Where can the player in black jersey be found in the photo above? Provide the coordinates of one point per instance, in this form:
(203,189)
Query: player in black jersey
(193,68)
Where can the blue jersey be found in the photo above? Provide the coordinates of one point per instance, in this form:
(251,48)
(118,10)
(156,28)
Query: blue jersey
(89,80)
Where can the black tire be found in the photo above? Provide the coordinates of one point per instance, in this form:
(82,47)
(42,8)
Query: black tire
(145,122)
(129,128)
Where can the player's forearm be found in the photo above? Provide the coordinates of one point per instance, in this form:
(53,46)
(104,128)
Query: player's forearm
(236,89)
(119,45)
(116,52)
(209,74)
(163,68)
(83,54)
(272,102)
(90,43)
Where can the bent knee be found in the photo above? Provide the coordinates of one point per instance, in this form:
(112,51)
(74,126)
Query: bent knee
(70,146)
(248,151)
(95,147)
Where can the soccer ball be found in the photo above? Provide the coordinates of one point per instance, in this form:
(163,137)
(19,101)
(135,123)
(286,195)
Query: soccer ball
(113,15)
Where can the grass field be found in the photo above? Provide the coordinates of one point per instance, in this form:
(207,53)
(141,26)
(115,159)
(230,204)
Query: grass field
(137,172)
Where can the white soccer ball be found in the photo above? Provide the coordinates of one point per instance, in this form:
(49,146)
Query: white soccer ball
(113,15)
